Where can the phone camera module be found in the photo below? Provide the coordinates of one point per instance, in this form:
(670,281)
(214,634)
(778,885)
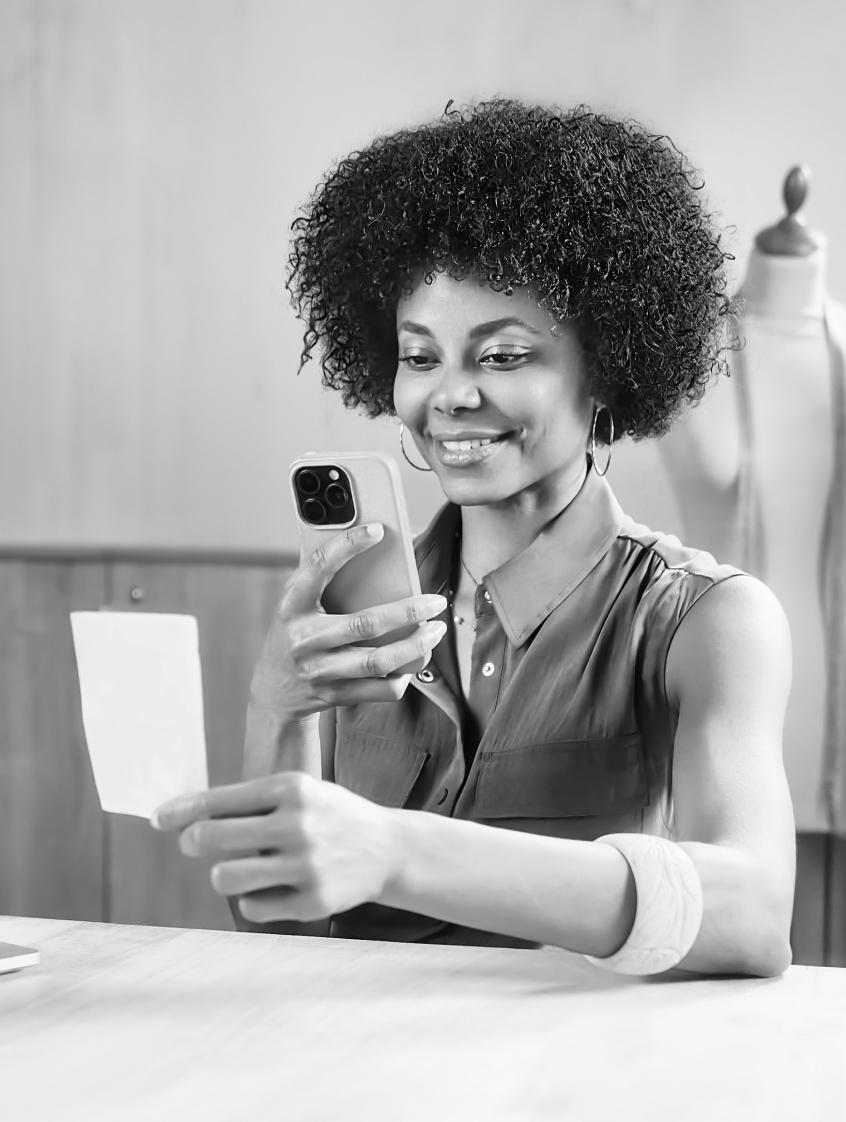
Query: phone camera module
(308,482)
(324,495)
(314,511)
(337,496)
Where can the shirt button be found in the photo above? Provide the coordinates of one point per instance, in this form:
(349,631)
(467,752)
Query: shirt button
(487,596)
(442,794)
(425,676)
(488,669)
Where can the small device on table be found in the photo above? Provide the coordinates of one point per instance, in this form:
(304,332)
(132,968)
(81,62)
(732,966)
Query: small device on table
(13,957)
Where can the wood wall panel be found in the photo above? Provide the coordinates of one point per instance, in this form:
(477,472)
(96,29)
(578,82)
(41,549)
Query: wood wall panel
(836,903)
(51,825)
(149,880)
(807,932)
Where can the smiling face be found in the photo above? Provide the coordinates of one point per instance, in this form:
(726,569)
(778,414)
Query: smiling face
(497,404)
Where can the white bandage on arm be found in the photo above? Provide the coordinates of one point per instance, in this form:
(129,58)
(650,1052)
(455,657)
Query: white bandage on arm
(669,905)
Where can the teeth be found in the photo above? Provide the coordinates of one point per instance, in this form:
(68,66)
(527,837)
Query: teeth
(466,445)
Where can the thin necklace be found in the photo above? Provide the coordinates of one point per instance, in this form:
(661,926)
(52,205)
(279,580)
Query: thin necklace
(466,570)
(457,618)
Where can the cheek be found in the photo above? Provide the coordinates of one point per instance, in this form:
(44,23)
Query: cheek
(409,400)
(573,404)
(560,416)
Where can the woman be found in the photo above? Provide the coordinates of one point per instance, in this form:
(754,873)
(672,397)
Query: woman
(592,758)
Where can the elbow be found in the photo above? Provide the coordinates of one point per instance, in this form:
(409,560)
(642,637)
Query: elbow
(764,949)
(770,959)
(753,953)
(769,927)
(747,932)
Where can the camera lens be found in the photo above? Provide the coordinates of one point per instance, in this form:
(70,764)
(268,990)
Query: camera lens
(308,482)
(336,495)
(314,510)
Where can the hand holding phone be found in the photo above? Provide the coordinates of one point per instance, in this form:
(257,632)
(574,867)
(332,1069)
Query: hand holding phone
(352,625)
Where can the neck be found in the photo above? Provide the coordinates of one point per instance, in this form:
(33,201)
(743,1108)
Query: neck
(785,286)
(493,534)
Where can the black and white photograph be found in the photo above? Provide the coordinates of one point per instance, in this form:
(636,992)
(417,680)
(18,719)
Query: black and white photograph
(422,561)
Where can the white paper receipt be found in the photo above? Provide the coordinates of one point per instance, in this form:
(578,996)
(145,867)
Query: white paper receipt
(142,706)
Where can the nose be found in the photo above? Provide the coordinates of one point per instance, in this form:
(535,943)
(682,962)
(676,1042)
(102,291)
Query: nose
(456,389)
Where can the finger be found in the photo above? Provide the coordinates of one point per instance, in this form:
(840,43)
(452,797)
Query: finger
(368,690)
(318,567)
(373,662)
(358,627)
(280,903)
(252,874)
(256,796)
(225,837)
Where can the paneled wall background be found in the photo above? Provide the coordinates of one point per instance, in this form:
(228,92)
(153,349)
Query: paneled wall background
(60,855)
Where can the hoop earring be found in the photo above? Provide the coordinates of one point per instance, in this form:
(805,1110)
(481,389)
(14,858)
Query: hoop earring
(592,449)
(402,446)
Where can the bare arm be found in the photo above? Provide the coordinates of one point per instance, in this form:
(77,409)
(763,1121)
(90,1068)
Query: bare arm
(729,671)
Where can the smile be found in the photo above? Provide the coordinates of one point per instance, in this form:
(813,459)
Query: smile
(463,453)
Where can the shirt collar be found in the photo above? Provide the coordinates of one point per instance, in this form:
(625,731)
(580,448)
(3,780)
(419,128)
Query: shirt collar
(526,589)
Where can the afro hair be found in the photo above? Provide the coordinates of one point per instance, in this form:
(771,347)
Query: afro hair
(601,220)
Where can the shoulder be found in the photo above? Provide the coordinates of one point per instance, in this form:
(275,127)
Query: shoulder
(667,554)
(670,577)
(733,639)
(742,609)
(713,623)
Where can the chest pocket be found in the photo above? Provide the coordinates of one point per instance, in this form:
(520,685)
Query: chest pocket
(563,779)
(378,769)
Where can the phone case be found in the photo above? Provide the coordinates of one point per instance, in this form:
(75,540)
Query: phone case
(387,571)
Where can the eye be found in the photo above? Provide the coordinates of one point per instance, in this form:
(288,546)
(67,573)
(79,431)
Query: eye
(505,357)
(417,360)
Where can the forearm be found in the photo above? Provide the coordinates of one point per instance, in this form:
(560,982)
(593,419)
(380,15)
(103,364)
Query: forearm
(573,894)
(272,745)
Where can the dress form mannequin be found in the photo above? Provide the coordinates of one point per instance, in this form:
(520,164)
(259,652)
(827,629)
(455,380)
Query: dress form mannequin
(762,486)
(783,381)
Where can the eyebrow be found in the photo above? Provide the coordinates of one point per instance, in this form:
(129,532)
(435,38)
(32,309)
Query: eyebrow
(477,332)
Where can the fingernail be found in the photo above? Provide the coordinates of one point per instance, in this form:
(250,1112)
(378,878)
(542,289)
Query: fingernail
(155,821)
(435,601)
(374,530)
(436,627)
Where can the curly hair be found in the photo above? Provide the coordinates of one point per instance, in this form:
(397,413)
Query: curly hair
(599,219)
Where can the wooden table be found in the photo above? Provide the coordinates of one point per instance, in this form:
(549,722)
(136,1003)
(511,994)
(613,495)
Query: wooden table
(130,1023)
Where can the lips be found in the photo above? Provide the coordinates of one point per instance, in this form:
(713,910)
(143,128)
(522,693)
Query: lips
(467,445)
(475,437)
(461,449)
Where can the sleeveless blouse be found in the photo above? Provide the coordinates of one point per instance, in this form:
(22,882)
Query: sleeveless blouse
(576,732)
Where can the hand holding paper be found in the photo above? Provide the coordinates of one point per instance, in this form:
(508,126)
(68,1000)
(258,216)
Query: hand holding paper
(142,706)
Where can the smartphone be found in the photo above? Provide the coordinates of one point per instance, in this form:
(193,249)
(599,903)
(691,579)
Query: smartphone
(13,957)
(334,491)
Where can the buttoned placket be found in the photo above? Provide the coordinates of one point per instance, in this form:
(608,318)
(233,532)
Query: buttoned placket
(486,669)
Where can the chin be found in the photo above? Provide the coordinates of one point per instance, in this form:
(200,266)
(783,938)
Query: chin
(474,492)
